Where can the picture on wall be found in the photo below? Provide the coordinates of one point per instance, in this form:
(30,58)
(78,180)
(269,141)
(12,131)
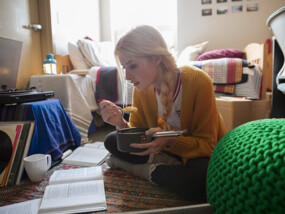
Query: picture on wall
(236,8)
(233,6)
(221,1)
(206,1)
(252,7)
(206,12)
(222,10)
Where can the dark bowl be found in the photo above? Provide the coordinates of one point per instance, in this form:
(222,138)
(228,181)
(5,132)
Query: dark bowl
(131,135)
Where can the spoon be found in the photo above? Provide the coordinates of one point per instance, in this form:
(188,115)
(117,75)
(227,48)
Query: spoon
(127,110)
(169,133)
(147,138)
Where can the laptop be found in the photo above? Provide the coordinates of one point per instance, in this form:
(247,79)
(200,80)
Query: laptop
(10,54)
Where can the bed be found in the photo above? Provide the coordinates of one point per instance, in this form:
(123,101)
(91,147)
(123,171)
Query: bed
(96,60)
(231,70)
(238,73)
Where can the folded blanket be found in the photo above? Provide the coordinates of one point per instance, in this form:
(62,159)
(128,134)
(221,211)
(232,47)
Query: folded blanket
(107,84)
(252,88)
(225,72)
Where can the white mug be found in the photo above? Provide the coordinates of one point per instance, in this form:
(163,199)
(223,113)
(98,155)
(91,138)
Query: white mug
(36,166)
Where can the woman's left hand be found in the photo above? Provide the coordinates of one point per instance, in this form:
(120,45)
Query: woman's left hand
(155,146)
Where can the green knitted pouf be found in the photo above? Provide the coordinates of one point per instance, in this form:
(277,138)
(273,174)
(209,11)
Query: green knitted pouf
(246,172)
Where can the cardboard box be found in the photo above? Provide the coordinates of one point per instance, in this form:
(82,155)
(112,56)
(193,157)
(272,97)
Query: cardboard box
(237,111)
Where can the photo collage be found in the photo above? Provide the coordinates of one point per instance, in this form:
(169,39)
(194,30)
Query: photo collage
(222,7)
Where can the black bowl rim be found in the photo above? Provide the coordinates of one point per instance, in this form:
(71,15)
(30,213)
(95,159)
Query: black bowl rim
(121,131)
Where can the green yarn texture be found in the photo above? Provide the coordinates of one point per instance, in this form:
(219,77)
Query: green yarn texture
(246,173)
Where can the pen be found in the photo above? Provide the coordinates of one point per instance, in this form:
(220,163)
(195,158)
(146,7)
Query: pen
(64,155)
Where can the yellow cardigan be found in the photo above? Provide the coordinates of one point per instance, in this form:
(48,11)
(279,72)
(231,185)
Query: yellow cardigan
(199,114)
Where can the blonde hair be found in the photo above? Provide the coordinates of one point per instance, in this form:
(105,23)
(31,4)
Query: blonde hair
(144,41)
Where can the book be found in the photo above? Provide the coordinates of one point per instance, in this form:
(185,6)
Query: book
(76,175)
(11,180)
(10,135)
(95,145)
(20,171)
(24,133)
(18,155)
(27,207)
(74,191)
(92,154)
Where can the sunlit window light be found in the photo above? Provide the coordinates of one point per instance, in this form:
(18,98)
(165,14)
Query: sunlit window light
(162,14)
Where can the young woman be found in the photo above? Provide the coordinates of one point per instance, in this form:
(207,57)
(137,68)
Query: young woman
(167,98)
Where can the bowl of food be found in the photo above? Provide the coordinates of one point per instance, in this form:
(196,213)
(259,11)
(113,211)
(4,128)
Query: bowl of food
(131,135)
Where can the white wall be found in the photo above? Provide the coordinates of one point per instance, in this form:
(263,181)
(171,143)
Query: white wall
(222,31)
(232,30)
(105,21)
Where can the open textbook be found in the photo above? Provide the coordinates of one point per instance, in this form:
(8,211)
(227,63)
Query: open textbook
(27,207)
(74,191)
(91,154)
(69,191)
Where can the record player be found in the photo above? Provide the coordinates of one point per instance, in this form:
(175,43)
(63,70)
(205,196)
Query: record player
(15,96)
(10,54)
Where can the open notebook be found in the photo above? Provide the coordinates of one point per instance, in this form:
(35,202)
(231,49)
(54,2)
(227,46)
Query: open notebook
(91,154)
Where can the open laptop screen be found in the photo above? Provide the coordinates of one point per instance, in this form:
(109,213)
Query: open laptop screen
(10,53)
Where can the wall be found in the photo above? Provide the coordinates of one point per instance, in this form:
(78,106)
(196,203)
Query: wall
(67,21)
(14,15)
(223,31)
(105,20)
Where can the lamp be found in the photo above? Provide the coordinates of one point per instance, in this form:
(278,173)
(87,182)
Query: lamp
(49,65)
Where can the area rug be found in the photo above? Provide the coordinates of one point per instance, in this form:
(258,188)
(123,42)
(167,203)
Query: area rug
(124,192)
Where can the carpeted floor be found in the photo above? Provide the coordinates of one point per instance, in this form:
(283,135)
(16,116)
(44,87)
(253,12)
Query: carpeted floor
(101,132)
(124,192)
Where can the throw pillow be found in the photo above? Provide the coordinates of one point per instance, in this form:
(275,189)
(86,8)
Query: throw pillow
(191,53)
(76,57)
(221,53)
(97,53)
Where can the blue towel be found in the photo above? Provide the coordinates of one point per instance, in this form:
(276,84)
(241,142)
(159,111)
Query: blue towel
(54,131)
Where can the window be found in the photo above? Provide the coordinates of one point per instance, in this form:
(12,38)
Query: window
(159,13)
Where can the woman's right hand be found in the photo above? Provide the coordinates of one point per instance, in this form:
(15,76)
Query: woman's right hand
(112,115)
